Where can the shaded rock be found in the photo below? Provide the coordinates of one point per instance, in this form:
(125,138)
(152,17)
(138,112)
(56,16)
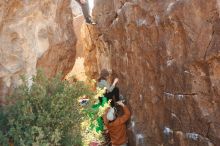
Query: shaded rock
(166,55)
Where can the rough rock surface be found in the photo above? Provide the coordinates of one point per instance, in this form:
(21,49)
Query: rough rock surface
(166,54)
(36,33)
(78,70)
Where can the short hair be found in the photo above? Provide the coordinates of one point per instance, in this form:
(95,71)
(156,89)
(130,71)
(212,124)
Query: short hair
(104,73)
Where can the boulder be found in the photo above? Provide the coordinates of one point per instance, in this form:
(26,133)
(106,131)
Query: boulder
(34,34)
(166,56)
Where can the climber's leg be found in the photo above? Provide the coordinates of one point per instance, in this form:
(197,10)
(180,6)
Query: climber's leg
(115,93)
(85,9)
(114,96)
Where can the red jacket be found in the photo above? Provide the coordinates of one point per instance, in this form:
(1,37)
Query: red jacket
(117,128)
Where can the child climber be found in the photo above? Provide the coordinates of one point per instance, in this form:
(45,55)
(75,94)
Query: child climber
(116,125)
(112,92)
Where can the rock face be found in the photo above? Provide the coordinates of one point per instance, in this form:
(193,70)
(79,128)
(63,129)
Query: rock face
(78,70)
(34,34)
(166,55)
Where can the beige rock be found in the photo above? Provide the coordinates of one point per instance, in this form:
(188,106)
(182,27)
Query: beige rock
(78,70)
(34,34)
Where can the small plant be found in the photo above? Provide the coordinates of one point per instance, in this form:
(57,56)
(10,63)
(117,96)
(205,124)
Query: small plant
(92,125)
(45,114)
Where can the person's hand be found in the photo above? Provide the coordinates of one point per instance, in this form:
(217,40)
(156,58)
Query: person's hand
(82,1)
(109,102)
(120,103)
(115,81)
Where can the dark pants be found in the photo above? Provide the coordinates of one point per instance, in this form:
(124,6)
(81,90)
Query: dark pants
(85,10)
(114,96)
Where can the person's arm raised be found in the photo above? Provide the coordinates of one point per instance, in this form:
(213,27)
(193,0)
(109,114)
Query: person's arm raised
(113,85)
(126,115)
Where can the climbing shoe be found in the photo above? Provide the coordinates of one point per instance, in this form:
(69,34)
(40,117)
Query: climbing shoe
(90,21)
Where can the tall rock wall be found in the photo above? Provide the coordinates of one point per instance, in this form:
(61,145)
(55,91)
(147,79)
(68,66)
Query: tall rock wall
(166,55)
(34,33)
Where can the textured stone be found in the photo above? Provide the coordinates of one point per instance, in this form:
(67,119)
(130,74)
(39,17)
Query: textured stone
(78,70)
(34,34)
(166,55)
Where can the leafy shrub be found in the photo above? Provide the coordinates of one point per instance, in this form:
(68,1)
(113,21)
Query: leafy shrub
(45,114)
(92,125)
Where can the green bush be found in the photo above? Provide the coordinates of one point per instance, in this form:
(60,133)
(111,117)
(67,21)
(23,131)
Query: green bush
(45,114)
(92,126)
